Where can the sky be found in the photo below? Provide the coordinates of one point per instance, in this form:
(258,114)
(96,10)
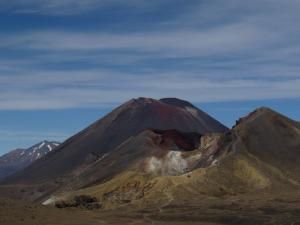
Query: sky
(66,63)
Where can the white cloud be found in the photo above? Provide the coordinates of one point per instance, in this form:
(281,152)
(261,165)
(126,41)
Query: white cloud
(227,39)
(108,88)
(215,51)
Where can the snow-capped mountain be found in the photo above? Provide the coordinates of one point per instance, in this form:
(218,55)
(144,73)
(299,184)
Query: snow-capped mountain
(20,158)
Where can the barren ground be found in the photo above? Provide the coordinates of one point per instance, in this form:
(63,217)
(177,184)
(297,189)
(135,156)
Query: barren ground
(234,210)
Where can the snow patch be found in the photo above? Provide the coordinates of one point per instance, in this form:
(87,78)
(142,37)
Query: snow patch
(41,145)
(49,147)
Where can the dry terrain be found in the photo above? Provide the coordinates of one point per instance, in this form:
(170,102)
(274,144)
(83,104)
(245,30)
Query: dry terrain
(258,209)
(248,175)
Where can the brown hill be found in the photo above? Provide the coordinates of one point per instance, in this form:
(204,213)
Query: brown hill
(247,175)
(85,154)
(261,154)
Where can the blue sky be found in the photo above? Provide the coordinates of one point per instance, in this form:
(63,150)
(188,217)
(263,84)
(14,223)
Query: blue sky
(65,63)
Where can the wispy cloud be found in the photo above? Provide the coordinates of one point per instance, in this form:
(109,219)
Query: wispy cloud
(211,51)
(178,43)
(103,88)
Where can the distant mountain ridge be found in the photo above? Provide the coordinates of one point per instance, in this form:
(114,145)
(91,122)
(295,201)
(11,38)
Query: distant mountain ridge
(18,159)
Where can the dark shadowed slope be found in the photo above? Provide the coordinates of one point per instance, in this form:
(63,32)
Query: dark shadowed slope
(141,153)
(20,158)
(106,134)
